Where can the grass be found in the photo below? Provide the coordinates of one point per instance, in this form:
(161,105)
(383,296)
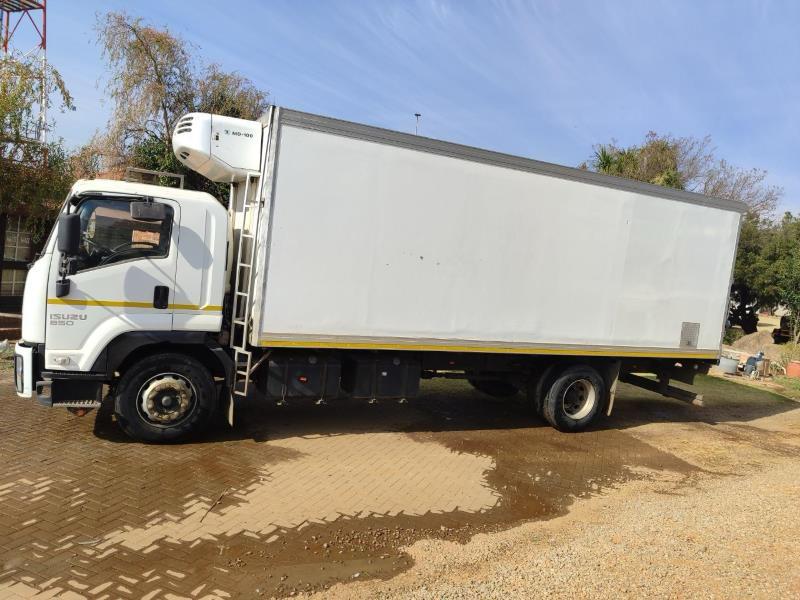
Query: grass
(721,390)
(733,395)
(718,391)
(790,385)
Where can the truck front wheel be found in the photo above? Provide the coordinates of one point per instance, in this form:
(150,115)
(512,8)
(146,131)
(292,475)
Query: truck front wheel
(165,397)
(575,398)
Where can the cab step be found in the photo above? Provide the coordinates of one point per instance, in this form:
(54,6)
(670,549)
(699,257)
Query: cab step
(70,393)
(77,404)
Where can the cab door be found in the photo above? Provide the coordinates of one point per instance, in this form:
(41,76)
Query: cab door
(121,281)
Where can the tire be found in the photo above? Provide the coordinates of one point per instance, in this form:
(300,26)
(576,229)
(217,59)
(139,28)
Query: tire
(495,387)
(182,398)
(575,399)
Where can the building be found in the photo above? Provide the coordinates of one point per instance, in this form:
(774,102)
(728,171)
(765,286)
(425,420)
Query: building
(16,240)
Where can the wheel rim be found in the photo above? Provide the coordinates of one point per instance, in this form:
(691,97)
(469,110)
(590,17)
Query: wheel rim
(579,399)
(166,400)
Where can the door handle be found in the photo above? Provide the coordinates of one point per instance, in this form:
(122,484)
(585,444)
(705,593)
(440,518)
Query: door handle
(161,296)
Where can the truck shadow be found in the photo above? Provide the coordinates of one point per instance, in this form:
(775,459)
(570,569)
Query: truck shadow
(455,406)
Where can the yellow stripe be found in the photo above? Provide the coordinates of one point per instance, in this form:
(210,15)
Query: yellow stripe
(195,307)
(130,304)
(487,349)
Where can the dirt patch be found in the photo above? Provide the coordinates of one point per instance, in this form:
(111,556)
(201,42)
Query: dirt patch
(760,341)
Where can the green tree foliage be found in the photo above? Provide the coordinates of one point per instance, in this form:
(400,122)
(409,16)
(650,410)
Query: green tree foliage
(35,176)
(153,81)
(780,260)
(24,83)
(686,163)
(655,161)
(789,285)
(767,271)
(753,264)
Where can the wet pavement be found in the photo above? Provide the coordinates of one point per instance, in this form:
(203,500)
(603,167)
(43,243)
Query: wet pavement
(295,498)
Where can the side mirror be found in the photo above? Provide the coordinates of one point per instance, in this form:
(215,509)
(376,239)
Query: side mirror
(69,234)
(148,211)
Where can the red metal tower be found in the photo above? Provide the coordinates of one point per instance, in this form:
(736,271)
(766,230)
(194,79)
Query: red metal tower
(23,10)
(26,21)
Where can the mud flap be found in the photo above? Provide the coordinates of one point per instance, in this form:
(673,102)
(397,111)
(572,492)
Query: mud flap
(612,378)
(225,402)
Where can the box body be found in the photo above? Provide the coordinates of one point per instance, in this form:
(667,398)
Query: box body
(372,239)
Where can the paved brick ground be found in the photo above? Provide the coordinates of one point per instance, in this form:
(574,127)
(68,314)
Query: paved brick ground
(84,512)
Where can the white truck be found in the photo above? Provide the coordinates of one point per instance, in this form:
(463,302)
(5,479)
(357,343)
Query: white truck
(353,261)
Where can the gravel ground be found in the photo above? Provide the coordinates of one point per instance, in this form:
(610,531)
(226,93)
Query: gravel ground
(729,531)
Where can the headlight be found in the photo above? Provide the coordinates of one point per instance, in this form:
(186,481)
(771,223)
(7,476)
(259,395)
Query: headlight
(19,373)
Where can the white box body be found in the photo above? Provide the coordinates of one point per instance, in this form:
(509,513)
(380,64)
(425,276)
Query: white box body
(376,239)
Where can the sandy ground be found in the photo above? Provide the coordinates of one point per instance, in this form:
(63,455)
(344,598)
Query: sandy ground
(730,531)
(452,495)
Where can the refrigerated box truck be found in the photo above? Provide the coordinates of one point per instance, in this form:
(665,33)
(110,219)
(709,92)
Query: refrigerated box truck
(353,261)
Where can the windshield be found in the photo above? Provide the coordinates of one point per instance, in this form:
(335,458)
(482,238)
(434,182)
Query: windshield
(109,234)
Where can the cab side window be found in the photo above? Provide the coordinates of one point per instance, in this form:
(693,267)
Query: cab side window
(109,234)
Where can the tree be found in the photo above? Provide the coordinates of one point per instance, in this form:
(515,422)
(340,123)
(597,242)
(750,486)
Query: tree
(35,176)
(150,80)
(24,85)
(780,262)
(687,163)
(655,161)
(788,281)
(153,82)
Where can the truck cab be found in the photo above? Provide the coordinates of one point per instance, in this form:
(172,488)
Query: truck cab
(136,279)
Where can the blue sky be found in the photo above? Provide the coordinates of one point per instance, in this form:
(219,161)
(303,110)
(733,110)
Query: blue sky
(540,79)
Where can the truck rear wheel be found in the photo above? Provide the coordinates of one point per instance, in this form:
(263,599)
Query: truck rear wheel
(165,397)
(575,398)
(495,387)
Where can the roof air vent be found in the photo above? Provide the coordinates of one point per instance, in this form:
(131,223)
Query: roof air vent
(184,124)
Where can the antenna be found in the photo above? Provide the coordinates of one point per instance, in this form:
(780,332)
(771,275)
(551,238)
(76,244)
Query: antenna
(416,129)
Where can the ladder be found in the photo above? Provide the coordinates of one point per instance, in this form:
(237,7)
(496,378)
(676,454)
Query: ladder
(248,214)
(245,261)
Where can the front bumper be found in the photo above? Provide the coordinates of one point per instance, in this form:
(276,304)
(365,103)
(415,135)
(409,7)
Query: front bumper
(54,388)
(24,368)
